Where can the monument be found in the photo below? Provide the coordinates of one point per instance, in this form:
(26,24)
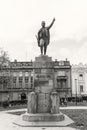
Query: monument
(43,37)
(43,101)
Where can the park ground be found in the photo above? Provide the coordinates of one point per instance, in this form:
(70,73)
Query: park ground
(77,113)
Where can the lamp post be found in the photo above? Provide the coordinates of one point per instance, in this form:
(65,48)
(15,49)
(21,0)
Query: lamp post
(76,90)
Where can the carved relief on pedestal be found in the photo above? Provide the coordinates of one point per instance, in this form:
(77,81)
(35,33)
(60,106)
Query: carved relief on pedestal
(54,102)
(32,102)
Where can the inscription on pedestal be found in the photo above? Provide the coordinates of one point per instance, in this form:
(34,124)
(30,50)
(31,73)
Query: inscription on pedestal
(43,103)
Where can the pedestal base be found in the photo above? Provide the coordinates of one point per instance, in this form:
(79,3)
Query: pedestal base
(46,117)
(43,120)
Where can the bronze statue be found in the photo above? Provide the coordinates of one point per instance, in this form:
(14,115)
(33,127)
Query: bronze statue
(43,37)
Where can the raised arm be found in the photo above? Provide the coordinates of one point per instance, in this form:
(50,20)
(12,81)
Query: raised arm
(51,24)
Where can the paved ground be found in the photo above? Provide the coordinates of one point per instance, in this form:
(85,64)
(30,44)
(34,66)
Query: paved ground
(74,107)
(6,121)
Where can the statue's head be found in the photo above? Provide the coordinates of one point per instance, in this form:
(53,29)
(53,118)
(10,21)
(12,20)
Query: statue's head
(43,23)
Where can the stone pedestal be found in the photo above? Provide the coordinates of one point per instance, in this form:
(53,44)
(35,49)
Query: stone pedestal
(46,104)
(44,78)
(43,82)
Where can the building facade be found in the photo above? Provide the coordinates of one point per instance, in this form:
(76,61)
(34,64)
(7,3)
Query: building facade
(16,79)
(79,80)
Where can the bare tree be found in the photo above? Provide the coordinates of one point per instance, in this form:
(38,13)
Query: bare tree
(4,63)
(4,58)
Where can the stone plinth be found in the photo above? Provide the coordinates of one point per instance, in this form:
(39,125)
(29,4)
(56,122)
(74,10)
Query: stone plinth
(43,58)
(43,61)
(46,117)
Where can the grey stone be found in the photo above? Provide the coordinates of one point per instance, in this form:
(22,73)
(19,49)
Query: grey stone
(54,102)
(43,62)
(43,117)
(32,103)
(43,58)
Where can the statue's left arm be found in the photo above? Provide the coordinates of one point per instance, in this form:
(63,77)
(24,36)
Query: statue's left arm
(51,24)
(38,37)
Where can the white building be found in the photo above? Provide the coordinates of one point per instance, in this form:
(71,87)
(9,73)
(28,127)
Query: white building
(79,79)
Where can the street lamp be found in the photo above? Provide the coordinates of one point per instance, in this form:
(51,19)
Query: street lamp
(76,90)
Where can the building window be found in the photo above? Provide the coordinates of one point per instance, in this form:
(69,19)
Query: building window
(20,79)
(20,82)
(80,76)
(14,81)
(61,83)
(26,79)
(31,81)
(81,88)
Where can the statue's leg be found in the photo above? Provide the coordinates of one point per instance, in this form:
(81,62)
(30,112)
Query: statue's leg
(41,50)
(45,49)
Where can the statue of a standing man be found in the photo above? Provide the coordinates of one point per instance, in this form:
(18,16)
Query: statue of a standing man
(44,36)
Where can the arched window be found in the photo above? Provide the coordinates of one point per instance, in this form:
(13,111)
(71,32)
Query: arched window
(81,88)
(80,76)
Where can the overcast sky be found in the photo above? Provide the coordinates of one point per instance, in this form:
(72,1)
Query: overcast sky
(20,21)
